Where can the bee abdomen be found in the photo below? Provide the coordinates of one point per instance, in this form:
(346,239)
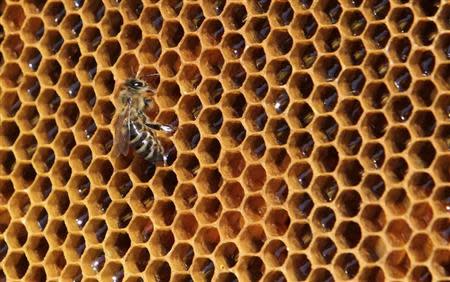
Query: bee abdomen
(145,144)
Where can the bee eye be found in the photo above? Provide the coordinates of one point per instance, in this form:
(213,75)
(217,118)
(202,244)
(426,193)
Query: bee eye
(137,84)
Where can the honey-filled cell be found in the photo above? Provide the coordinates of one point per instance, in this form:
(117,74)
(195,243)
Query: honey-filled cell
(310,140)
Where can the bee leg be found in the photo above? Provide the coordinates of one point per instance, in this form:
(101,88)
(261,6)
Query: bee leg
(162,127)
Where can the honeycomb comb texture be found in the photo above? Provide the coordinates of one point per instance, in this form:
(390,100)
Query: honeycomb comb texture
(313,141)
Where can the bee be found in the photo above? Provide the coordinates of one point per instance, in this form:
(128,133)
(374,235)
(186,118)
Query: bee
(133,128)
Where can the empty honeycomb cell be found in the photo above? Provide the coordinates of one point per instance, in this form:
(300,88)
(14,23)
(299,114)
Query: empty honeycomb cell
(398,264)
(302,151)
(12,46)
(373,248)
(71,26)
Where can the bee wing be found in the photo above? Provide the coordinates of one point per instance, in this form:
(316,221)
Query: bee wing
(122,133)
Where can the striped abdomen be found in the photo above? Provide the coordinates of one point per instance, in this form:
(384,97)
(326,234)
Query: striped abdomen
(145,143)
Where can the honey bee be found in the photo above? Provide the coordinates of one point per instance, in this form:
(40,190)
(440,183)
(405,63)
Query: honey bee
(133,128)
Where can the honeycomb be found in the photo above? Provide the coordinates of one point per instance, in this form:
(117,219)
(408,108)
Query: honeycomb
(313,141)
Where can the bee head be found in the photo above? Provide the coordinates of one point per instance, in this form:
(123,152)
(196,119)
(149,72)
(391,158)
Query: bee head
(136,85)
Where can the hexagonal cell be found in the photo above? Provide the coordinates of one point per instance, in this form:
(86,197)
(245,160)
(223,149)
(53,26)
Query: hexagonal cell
(398,232)
(227,254)
(372,273)
(93,261)
(131,36)
(13,46)
(231,224)
(93,11)
(252,238)
(211,32)
(118,244)
(6,192)
(31,58)
(398,264)
(257,29)
(232,194)
(139,258)
(119,215)
(14,17)
(304,26)
(373,248)
(301,205)
(421,273)
(16,265)
(33,30)
(28,92)
(421,215)
(7,162)
(325,128)
(211,180)
(140,229)
(300,235)
(348,234)
(207,240)
(52,42)
(347,266)
(300,115)
(71,26)
(373,155)
(373,187)
(208,209)
(421,247)
(373,217)
(23,175)
(11,75)
(301,174)
(424,32)
(326,158)
(254,177)
(254,58)
(212,61)
(203,269)
(161,242)
(354,23)
(375,124)
(255,208)
(325,250)
(233,45)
